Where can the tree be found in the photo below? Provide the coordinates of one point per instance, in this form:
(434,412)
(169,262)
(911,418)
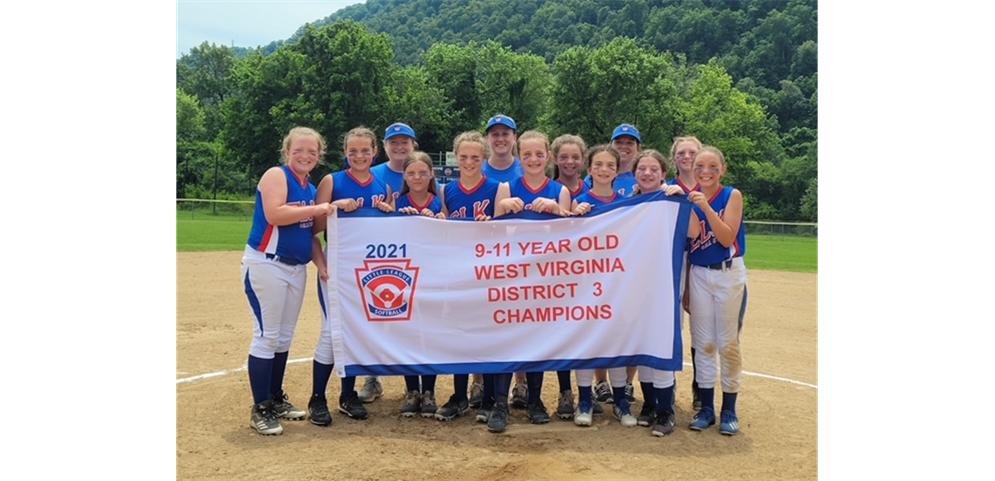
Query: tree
(453,70)
(595,90)
(720,115)
(189,134)
(415,101)
(332,80)
(513,84)
(205,73)
(189,118)
(810,201)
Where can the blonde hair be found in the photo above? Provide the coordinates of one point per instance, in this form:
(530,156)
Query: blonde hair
(714,150)
(678,140)
(302,132)
(359,132)
(533,135)
(472,137)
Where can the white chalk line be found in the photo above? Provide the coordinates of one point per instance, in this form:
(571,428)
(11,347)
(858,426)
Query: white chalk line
(309,359)
(231,371)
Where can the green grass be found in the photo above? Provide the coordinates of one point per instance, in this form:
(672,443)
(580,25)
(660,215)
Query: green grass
(206,233)
(201,231)
(782,253)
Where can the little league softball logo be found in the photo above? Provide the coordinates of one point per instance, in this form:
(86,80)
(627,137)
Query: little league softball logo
(388,289)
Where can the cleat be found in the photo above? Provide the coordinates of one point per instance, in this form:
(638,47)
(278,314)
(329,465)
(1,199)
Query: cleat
(283,408)
(730,424)
(476,394)
(624,415)
(565,406)
(520,396)
(317,409)
(411,405)
(497,422)
(696,402)
(453,408)
(630,392)
(351,406)
(584,415)
(663,424)
(428,406)
(603,392)
(372,389)
(647,415)
(485,411)
(264,419)
(702,420)
(538,413)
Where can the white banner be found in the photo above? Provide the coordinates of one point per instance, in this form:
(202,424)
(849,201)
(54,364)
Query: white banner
(416,295)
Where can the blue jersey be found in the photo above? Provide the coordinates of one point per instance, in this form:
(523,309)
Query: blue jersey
(623,184)
(506,175)
(434,203)
(595,200)
(469,204)
(367,194)
(677,181)
(706,249)
(550,189)
(581,188)
(394,179)
(291,241)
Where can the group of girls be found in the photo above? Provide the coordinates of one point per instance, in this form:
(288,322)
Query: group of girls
(494,182)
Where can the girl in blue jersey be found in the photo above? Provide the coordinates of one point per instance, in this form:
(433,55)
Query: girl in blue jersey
(657,385)
(717,290)
(350,189)
(419,197)
(568,161)
(602,164)
(627,141)
(418,194)
(602,167)
(538,193)
(399,140)
(682,151)
(533,191)
(274,272)
(469,197)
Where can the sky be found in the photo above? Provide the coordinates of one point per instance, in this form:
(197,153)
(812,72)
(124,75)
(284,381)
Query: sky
(246,23)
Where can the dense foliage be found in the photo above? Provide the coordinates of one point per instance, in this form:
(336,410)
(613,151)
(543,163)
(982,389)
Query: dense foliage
(741,75)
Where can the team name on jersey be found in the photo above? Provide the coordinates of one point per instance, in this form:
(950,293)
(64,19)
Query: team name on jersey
(374,200)
(706,238)
(479,209)
(306,223)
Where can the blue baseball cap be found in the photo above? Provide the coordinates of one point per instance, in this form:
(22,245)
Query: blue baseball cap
(399,129)
(627,129)
(501,119)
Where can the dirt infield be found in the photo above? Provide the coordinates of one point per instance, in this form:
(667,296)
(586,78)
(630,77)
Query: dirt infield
(778,407)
